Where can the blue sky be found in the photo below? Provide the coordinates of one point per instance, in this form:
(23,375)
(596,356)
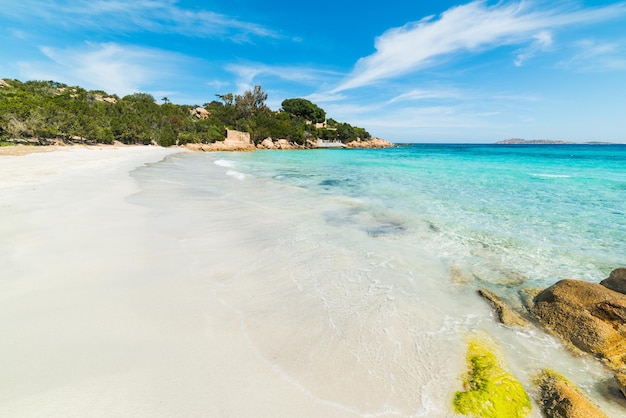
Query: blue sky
(407,71)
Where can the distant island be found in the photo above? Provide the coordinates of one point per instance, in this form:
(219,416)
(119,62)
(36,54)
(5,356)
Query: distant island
(519,141)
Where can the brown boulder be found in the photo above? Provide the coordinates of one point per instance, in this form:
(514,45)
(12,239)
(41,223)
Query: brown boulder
(194,147)
(267,143)
(370,143)
(200,112)
(220,146)
(589,316)
(616,280)
(284,144)
(559,398)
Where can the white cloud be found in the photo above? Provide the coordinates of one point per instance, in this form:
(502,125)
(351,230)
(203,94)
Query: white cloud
(247,74)
(596,56)
(117,69)
(325,97)
(18,33)
(217,84)
(471,27)
(157,16)
(542,41)
(422,94)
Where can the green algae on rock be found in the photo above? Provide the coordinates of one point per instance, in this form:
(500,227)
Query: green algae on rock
(490,391)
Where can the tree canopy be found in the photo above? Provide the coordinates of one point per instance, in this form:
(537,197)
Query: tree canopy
(49,110)
(305,109)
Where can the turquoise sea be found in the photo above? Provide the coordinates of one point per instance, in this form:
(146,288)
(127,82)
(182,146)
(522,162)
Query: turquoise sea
(356,270)
(543,212)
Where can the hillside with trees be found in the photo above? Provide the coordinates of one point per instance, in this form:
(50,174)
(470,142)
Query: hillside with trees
(44,112)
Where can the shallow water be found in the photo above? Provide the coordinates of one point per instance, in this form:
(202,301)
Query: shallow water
(354,271)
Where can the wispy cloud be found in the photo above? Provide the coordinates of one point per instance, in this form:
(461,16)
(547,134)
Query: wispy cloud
(247,75)
(423,94)
(111,67)
(325,97)
(217,84)
(475,26)
(597,56)
(156,16)
(542,41)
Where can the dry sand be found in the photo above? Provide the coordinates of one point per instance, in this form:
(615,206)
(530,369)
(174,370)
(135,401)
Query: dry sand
(100,315)
(18,150)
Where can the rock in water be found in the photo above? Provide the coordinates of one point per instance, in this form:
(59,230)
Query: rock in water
(370,143)
(589,316)
(559,398)
(616,280)
(506,314)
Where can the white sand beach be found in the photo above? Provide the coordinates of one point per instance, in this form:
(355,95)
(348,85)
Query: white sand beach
(193,288)
(99,314)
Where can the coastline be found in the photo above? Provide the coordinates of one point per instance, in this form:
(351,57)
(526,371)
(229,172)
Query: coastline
(227,145)
(108,305)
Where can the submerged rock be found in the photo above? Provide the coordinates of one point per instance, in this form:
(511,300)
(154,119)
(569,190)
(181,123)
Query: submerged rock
(616,280)
(506,315)
(559,398)
(459,277)
(589,316)
(490,391)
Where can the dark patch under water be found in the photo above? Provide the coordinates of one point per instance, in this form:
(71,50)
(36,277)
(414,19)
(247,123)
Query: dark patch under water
(330,182)
(390,228)
(373,226)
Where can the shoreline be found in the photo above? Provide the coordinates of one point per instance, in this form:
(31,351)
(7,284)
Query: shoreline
(18,149)
(105,301)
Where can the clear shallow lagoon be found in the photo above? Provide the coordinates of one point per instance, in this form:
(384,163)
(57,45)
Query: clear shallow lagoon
(354,271)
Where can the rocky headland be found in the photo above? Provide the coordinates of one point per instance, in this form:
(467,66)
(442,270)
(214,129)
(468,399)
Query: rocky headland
(240,141)
(370,143)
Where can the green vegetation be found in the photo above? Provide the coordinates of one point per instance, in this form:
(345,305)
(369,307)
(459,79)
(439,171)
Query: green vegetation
(305,109)
(490,392)
(45,111)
